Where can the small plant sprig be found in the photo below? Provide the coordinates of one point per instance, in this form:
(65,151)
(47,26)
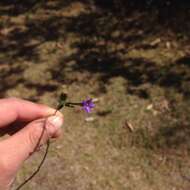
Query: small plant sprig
(86,105)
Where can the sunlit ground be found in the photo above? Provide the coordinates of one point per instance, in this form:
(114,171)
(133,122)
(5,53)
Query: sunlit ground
(136,67)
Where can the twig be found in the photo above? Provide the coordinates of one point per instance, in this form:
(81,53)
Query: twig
(62,103)
(38,169)
(43,159)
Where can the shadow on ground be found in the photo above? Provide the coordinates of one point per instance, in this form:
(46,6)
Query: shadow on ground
(104,38)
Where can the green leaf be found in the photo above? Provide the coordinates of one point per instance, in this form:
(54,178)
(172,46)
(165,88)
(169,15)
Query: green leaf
(62,101)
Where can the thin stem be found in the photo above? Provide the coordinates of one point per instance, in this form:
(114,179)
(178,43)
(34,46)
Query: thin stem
(37,170)
(43,159)
(73,103)
(68,104)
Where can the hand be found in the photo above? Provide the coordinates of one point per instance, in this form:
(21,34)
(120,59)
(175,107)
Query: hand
(25,122)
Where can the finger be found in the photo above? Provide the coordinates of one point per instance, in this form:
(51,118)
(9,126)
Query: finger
(13,109)
(21,145)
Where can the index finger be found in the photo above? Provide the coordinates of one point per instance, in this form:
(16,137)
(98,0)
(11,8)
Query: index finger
(14,109)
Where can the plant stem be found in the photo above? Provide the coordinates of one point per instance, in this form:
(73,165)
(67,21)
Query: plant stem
(43,159)
(73,104)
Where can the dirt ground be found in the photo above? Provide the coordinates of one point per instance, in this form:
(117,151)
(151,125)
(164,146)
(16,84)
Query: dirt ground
(134,63)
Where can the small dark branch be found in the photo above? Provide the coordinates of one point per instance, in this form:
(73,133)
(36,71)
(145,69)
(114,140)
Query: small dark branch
(43,159)
(37,170)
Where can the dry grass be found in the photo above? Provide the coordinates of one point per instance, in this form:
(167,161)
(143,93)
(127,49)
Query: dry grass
(104,153)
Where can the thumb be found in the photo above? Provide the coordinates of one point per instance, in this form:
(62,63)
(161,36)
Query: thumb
(17,148)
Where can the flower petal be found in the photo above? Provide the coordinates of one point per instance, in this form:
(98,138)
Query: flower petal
(87,109)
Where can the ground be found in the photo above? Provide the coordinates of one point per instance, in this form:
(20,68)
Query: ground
(138,70)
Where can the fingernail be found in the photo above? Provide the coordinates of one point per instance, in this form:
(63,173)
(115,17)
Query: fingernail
(57,121)
(50,111)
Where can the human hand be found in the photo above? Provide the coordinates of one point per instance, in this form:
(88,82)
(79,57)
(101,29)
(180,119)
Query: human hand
(26,122)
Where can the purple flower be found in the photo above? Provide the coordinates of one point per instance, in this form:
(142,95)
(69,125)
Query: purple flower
(88,105)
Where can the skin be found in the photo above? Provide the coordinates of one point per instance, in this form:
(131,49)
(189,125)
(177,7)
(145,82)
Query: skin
(24,121)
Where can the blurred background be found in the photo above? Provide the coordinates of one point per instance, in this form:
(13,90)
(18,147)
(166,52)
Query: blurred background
(133,57)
